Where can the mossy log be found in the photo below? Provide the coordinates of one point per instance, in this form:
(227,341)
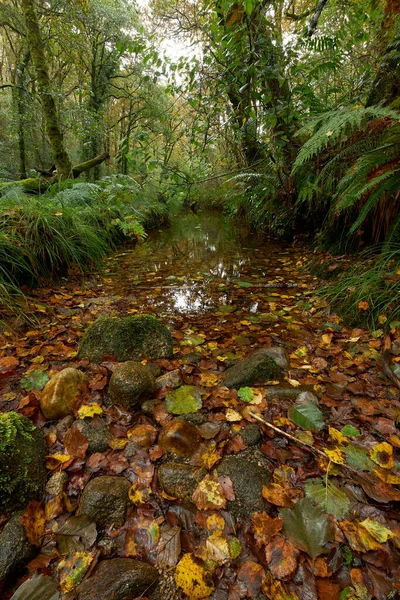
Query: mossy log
(38,185)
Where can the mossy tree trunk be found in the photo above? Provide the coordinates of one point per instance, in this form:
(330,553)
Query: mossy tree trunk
(53,130)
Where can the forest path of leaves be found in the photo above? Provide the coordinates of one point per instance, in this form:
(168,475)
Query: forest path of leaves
(330,521)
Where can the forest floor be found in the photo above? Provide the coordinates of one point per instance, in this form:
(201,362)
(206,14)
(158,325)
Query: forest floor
(327,519)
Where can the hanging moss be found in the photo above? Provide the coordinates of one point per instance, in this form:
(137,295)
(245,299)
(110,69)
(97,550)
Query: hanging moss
(22,453)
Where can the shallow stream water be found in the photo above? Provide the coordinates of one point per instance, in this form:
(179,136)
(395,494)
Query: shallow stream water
(202,266)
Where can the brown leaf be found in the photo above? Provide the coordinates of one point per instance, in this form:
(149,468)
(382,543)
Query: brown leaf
(252,575)
(8,364)
(169,546)
(282,558)
(33,520)
(265,527)
(209,494)
(75,443)
(278,495)
(376,489)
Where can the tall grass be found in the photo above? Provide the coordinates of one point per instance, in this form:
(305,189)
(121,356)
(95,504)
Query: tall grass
(77,223)
(370,294)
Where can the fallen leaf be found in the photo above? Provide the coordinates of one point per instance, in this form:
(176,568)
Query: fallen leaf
(282,558)
(307,527)
(209,494)
(382,455)
(72,569)
(278,495)
(265,527)
(33,519)
(191,577)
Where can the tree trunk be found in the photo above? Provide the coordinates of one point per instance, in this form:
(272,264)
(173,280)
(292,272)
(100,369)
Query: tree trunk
(53,130)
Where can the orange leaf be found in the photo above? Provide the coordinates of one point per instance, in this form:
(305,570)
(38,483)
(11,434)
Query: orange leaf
(278,495)
(33,521)
(363,305)
(282,558)
(265,527)
(209,494)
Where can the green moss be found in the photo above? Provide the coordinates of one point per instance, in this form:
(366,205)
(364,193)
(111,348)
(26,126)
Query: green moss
(22,452)
(127,338)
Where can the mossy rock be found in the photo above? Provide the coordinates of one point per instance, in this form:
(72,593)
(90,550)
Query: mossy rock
(130,381)
(258,368)
(126,338)
(22,454)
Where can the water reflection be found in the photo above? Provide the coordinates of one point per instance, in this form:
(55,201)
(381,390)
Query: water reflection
(194,265)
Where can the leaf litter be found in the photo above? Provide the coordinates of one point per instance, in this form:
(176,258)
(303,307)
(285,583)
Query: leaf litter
(331,524)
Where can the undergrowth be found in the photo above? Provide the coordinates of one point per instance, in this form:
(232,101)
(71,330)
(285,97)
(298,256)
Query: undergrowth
(73,224)
(369,295)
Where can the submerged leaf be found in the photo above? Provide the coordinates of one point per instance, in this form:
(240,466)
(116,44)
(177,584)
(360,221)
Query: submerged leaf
(307,527)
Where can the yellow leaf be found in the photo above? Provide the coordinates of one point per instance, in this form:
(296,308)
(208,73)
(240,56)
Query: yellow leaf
(294,382)
(217,549)
(337,436)
(191,577)
(72,569)
(215,523)
(327,338)
(336,456)
(89,410)
(208,379)
(382,319)
(382,455)
(379,532)
(55,460)
(387,476)
(233,415)
(363,305)
(138,495)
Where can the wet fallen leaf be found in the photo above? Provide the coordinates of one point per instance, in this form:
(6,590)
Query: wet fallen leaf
(307,527)
(278,495)
(72,569)
(191,577)
(33,519)
(265,527)
(282,558)
(209,494)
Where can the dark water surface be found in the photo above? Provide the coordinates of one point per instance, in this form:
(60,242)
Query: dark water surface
(203,264)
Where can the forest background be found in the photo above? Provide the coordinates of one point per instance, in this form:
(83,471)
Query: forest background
(280,112)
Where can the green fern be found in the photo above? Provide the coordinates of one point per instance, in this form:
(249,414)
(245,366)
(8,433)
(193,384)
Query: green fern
(331,127)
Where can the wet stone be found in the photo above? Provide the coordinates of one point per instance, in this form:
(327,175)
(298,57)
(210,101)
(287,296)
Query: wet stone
(55,484)
(105,500)
(97,433)
(148,406)
(127,338)
(130,382)
(57,399)
(248,478)
(172,380)
(179,437)
(195,418)
(258,368)
(118,579)
(15,548)
(179,480)
(251,435)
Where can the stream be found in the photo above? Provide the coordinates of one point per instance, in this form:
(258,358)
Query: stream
(202,268)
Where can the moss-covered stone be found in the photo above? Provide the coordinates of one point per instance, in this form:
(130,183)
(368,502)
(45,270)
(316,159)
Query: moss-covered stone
(127,338)
(130,382)
(259,367)
(22,454)
(15,548)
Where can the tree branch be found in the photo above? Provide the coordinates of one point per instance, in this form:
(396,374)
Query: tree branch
(312,26)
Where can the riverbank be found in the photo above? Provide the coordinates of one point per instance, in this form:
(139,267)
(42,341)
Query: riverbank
(223,295)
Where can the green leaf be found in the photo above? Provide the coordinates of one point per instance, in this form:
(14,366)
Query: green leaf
(184,400)
(328,496)
(350,431)
(194,340)
(308,416)
(244,284)
(246,394)
(307,527)
(358,458)
(34,381)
